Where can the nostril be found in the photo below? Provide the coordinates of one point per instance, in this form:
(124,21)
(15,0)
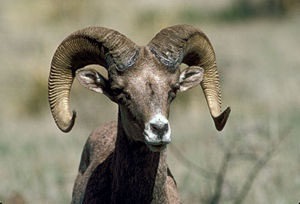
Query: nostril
(154,127)
(165,127)
(159,128)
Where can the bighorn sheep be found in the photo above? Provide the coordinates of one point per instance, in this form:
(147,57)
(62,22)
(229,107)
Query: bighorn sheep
(125,161)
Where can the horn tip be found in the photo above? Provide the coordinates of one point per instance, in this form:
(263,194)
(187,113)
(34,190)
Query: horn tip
(69,127)
(221,120)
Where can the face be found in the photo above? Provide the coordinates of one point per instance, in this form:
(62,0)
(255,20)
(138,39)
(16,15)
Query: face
(144,93)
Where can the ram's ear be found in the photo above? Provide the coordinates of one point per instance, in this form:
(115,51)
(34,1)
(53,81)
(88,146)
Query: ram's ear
(190,77)
(91,79)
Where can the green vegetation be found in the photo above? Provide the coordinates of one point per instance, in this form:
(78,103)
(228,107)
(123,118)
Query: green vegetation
(245,9)
(258,60)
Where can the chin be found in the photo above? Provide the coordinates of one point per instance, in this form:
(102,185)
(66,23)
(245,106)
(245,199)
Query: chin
(157,148)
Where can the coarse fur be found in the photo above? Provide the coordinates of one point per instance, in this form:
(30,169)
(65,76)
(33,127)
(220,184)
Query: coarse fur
(125,161)
(116,165)
(103,169)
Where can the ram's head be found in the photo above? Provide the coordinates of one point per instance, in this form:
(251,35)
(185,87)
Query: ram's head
(142,80)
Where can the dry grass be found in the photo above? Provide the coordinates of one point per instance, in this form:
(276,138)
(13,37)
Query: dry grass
(259,64)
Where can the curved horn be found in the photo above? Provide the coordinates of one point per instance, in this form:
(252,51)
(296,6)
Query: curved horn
(186,44)
(92,45)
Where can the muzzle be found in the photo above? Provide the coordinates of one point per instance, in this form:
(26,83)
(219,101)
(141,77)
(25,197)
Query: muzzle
(157,133)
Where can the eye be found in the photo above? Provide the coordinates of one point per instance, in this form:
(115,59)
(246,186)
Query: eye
(172,94)
(121,95)
(173,91)
(116,91)
(176,87)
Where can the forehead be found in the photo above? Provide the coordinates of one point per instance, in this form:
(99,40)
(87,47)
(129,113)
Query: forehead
(148,69)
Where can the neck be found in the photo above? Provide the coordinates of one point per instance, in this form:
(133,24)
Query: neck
(139,174)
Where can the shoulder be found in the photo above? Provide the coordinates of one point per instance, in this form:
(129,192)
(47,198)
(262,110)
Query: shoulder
(99,145)
(103,137)
(106,131)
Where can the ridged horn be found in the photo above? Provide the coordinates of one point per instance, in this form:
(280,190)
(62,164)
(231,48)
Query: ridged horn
(92,45)
(187,44)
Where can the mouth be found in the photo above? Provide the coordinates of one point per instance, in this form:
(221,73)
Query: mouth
(157,147)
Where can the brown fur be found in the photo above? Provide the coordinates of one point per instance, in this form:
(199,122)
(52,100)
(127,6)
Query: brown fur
(125,162)
(105,175)
(116,165)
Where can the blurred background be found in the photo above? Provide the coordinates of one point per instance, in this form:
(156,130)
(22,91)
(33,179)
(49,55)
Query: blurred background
(255,159)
